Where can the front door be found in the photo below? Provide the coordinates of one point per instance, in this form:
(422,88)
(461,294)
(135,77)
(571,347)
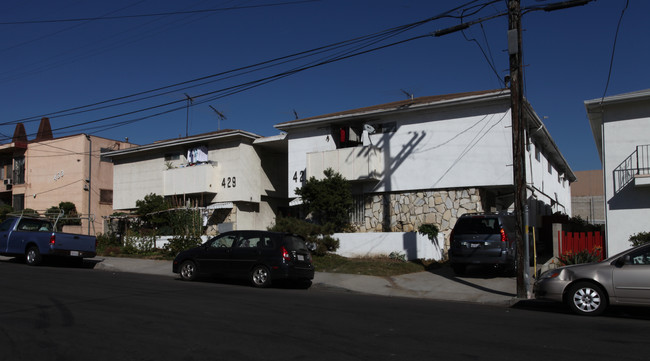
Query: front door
(632,280)
(215,258)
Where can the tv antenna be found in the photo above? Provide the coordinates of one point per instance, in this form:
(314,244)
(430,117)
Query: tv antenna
(220,117)
(190,100)
(408,95)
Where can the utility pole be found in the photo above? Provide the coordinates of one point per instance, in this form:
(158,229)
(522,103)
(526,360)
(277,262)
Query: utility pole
(187,118)
(518,141)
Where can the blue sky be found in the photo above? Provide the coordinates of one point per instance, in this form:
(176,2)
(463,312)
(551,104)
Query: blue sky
(48,67)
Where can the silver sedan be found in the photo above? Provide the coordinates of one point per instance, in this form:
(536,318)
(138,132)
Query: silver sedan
(623,279)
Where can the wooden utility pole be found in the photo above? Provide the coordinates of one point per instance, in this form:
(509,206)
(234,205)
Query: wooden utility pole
(518,142)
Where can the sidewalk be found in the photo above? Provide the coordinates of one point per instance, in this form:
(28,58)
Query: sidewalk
(440,284)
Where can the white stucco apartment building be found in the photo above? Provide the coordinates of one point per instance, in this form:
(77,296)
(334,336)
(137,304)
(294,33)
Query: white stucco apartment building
(620,125)
(429,160)
(235,176)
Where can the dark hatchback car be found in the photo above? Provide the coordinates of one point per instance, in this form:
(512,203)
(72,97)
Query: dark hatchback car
(483,239)
(260,256)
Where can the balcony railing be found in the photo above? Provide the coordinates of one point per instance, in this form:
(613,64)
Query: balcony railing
(201,178)
(354,164)
(636,165)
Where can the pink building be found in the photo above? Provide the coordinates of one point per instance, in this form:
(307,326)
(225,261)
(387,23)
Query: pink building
(41,173)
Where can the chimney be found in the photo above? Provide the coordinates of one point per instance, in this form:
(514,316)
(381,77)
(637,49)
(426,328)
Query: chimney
(20,136)
(44,130)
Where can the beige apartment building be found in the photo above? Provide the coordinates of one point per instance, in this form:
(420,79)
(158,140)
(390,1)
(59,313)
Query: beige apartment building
(42,172)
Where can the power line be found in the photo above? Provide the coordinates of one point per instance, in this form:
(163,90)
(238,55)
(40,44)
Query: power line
(25,22)
(369,39)
(611,61)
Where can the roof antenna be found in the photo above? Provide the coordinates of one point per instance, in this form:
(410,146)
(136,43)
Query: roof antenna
(220,117)
(408,95)
(295,114)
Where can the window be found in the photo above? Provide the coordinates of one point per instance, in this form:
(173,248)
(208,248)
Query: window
(106,196)
(224,241)
(550,168)
(357,213)
(4,227)
(19,202)
(172,156)
(102,158)
(19,170)
(538,154)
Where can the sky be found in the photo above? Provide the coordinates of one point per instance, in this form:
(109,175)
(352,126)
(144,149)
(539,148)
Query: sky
(92,66)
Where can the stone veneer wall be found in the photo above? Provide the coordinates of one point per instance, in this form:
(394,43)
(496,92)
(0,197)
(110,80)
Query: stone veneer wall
(409,210)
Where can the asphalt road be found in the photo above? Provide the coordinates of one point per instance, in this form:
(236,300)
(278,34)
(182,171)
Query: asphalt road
(58,312)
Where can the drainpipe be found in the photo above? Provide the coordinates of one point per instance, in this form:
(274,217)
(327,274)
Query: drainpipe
(90,165)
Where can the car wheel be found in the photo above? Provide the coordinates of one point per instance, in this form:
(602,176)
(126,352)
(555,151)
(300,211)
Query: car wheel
(188,271)
(260,277)
(33,256)
(459,269)
(587,299)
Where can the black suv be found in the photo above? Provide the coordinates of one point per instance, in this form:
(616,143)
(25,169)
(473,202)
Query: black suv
(259,256)
(483,239)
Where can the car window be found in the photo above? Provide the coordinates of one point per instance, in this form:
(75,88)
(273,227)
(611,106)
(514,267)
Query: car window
(4,227)
(254,241)
(477,225)
(223,241)
(34,225)
(293,243)
(642,257)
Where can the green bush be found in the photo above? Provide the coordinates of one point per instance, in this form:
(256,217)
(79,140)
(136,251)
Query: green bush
(429,230)
(640,238)
(180,243)
(107,241)
(583,256)
(318,238)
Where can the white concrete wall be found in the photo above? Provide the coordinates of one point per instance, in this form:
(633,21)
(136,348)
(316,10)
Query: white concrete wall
(463,147)
(549,187)
(411,244)
(134,178)
(628,212)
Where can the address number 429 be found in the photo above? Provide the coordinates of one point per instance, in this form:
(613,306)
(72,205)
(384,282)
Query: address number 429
(230,182)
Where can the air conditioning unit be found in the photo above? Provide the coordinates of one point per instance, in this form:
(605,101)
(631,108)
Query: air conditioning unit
(8,182)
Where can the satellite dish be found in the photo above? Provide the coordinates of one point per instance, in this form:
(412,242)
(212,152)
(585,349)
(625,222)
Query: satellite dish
(369,128)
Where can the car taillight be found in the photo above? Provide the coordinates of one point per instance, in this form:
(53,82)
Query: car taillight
(504,237)
(286,254)
(52,240)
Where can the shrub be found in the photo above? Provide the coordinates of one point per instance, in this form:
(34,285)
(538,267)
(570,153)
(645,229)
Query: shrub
(106,241)
(180,243)
(318,238)
(429,230)
(640,238)
(583,256)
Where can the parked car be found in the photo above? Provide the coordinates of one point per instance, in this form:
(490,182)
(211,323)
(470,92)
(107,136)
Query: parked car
(623,279)
(483,239)
(260,256)
(35,238)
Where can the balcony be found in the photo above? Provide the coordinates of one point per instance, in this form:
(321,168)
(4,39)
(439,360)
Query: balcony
(635,168)
(200,178)
(354,164)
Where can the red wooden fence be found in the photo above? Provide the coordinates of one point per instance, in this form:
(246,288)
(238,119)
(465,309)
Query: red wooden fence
(575,242)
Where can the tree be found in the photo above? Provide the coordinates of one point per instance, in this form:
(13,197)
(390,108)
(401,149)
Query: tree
(69,216)
(328,201)
(151,210)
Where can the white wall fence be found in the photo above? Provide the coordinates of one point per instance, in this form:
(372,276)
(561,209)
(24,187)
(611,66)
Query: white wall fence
(411,244)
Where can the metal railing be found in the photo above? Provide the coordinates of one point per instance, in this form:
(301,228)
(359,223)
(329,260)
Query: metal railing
(637,163)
